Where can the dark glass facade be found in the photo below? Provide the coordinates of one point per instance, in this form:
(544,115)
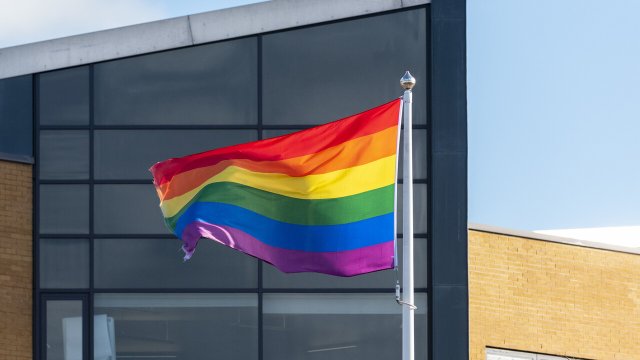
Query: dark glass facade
(106,260)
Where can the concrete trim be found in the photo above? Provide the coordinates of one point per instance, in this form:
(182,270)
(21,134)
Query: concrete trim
(550,238)
(184,31)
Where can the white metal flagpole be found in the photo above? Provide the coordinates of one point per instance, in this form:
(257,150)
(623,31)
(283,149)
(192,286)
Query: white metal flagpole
(407,82)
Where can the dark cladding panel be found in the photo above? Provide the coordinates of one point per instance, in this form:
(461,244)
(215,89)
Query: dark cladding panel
(326,72)
(448,268)
(205,85)
(64,97)
(16,118)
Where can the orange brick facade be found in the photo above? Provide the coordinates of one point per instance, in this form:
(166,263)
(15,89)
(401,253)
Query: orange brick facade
(552,298)
(15,261)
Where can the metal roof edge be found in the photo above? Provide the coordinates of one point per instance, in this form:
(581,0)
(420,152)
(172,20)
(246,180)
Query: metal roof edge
(22,159)
(184,31)
(550,238)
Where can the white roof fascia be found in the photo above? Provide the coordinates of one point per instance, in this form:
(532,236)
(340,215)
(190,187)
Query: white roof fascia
(551,238)
(184,31)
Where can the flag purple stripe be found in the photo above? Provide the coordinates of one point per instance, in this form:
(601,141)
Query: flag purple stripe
(340,263)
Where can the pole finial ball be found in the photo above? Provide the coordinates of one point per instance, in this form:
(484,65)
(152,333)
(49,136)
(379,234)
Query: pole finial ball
(407,81)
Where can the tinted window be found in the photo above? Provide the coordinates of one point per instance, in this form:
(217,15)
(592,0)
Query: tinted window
(157,263)
(209,84)
(64,154)
(64,209)
(419,154)
(64,263)
(127,209)
(63,330)
(338,326)
(419,209)
(176,326)
(16,118)
(64,97)
(323,73)
(128,154)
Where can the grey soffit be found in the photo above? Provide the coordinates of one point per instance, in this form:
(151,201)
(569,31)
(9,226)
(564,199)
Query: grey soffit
(551,238)
(184,31)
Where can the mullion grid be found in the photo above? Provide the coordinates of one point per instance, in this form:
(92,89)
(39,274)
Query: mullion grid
(259,290)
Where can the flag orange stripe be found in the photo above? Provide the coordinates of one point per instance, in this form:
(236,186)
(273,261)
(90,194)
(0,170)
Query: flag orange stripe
(361,151)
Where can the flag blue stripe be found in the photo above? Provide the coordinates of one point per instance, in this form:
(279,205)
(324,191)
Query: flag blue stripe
(313,238)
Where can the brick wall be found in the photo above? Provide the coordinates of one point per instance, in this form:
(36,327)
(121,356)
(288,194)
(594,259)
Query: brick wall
(552,298)
(15,261)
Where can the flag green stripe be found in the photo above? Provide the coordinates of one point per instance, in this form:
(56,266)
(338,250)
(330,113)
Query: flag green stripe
(294,210)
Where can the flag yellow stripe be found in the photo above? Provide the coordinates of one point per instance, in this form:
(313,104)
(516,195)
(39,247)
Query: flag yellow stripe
(335,184)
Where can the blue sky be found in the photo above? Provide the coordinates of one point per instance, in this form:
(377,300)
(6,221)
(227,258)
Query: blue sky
(554,113)
(553,99)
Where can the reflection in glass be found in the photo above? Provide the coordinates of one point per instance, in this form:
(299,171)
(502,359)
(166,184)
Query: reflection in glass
(64,263)
(180,326)
(63,337)
(157,263)
(64,209)
(338,326)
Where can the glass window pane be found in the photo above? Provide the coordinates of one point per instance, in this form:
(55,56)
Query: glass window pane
(63,338)
(64,154)
(64,97)
(277,132)
(64,209)
(16,117)
(419,209)
(336,82)
(209,84)
(273,278)
(338,326)
(128,154)
(419,155)
(176,326)
(157,263)
(127,209)
(64,263)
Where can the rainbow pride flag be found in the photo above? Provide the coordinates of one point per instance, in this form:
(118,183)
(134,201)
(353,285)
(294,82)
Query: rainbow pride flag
(317,200)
